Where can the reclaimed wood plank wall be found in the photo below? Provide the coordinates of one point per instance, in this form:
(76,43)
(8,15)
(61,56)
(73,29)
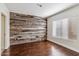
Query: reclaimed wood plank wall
(26,28)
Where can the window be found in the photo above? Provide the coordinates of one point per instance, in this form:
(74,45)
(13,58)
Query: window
(60,28)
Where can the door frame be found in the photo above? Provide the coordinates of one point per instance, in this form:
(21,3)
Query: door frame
(2,14)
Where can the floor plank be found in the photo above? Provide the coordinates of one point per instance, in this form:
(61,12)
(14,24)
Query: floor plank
(44,48)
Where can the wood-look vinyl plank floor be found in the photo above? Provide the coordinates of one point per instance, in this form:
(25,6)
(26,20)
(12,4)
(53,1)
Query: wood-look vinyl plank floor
(43,48)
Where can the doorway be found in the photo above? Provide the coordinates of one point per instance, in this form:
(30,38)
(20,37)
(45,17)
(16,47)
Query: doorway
(2,32)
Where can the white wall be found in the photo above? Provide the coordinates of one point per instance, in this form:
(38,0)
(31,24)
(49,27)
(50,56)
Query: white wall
(71,14)
(5,11)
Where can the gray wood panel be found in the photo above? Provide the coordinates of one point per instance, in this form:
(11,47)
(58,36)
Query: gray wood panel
(27,28)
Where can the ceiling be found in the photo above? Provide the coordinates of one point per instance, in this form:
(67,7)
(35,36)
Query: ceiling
(46,10)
